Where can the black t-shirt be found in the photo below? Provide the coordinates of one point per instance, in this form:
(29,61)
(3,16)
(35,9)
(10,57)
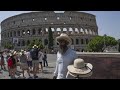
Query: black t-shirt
(34,54)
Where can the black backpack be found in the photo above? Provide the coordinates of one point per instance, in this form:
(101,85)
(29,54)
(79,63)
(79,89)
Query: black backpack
(34,54)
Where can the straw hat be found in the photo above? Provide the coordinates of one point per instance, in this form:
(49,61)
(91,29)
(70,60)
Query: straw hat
(14,53)
(35,46)
(80,68)
(10,54)
(22,52)
(65,37)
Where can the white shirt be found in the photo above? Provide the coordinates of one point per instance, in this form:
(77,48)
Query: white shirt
(63,61)
(28,56)
(40,56)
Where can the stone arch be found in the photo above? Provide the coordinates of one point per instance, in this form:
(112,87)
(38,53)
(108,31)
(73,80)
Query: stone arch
(64,30)
(45,41)
(14,33)
(18,33)
(23,43)
(18,43)
(43,31)
(71,30)
(81,31)
(76,31)
(39,31)
(53,30)
(33,31)
(7,34)
(86,41)
(72,41)
(90,32)
(93,32)
(10,34)
(86,31)
(23,32)
(77,41)
(46,31)
(82,41)
(58,30)
(28,32)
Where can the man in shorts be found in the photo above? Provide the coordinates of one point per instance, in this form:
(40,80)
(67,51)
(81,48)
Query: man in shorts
(35,60)
(40,57)
(24,65)
(29,59)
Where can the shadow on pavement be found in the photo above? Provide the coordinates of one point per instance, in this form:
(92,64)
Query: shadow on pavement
(50,67)
(31,78)
(46,72)
(43,78)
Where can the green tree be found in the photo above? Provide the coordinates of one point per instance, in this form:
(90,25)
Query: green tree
(36,42)
(50,38)
(8,45)
(97,43)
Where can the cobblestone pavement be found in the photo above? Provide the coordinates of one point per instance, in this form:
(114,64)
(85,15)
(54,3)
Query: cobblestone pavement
(46,74)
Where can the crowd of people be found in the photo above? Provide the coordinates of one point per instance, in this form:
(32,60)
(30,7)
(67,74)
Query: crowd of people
(31,61)
(68,65)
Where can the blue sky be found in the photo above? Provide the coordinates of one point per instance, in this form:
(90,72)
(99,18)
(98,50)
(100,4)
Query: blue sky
(108,21)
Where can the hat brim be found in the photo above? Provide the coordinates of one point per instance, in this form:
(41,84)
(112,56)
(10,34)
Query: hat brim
(81,75)
(82,71)
(64,38)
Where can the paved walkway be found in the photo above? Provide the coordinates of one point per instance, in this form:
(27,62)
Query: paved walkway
(46,74)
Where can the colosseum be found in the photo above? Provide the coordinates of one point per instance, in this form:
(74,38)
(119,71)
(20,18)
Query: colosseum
(80,26)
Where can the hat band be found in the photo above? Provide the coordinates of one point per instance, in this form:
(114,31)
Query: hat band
(84,67)
(77,76)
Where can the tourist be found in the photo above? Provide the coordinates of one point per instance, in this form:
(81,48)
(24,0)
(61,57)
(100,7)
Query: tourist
(65,56)
(24,65)
(40,57)
(11,66)
(45,59)
(79,69)
(8,57)
(29,59)
(2,61)
(35,60)
(16,60)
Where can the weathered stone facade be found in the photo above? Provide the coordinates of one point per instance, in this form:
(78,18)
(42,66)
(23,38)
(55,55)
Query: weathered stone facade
(81,27)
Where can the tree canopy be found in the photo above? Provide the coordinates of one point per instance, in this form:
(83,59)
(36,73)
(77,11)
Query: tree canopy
(50,38)
(8,45)
(97,43)
(37,43)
